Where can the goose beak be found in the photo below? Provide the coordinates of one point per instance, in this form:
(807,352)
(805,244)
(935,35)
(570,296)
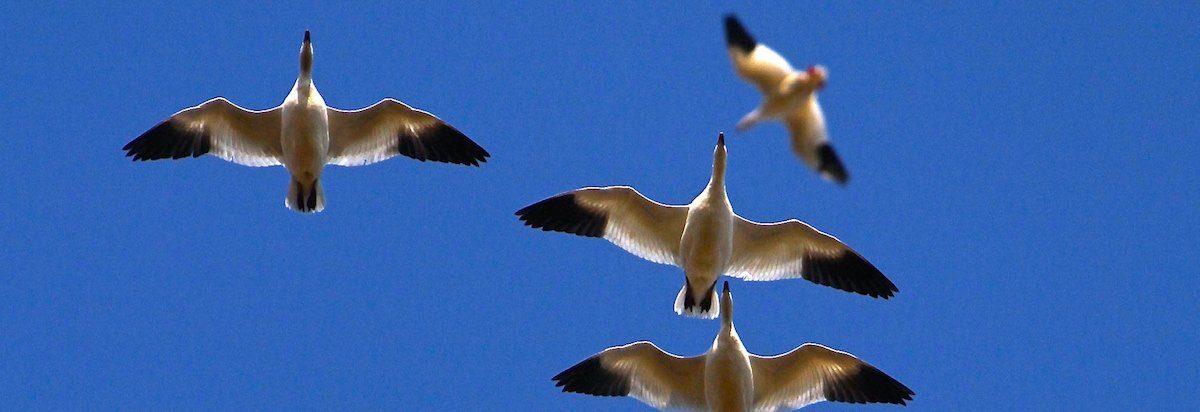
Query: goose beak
(726,306)
(307,37)
(721,142)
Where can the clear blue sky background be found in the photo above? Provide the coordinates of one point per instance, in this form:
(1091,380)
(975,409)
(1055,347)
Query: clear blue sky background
(1026,174)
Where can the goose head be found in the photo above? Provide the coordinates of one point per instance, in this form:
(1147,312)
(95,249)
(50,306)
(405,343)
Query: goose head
(306,56)
(718,176)
(726,308)
(817,75)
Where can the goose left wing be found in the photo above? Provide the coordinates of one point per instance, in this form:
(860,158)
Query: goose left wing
(790,249)
(390,128)
(242,136)
(814,373)
(646,228)
(810,141)
(640,370)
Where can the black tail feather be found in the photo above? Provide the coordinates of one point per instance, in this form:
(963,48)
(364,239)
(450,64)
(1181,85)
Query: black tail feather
(705,305)
(312,196)
(688,300)
(299,195)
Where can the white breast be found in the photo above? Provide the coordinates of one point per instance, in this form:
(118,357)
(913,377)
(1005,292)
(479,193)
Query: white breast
(305,131)
(707,242)
(728,380)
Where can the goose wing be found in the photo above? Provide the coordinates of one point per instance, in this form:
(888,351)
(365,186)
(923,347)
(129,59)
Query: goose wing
(754,61)
(646,228)
(791,249)
(640,370)
(238,135)
(810,141)
(813,373)
(391,128)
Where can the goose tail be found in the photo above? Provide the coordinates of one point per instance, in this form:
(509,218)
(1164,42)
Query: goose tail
(706,308)
(305,198)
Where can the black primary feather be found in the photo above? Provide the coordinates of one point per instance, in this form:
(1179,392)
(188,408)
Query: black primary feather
(562,213)
(591,378)
(737,36)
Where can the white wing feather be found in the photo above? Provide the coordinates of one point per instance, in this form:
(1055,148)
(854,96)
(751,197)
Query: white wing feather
(773,251)
(762,67)
(389,128)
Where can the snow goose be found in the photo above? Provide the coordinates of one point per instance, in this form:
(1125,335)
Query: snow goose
(303,134)
(707,239)
(788,95)
(728,378)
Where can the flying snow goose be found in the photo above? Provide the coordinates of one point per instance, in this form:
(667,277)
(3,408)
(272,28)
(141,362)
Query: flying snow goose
(729,378)
(788,95)
(303,135)
(707,239)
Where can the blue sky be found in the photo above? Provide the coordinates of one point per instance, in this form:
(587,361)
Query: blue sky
(1025,173)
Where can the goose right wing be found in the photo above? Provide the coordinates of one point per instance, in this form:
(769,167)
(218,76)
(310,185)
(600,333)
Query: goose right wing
(813,373)
(646,228)
(791,249)
(389,128)
(640,370)
(754,61)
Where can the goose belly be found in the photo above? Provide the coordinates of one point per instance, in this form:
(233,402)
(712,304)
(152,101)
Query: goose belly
(706,244)
(728,382)
(305,140)
(777,106)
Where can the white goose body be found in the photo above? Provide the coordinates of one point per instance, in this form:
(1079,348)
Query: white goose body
(788,95)
(707,239)
(305,129)
(706,244)
(303,135)
(728,378)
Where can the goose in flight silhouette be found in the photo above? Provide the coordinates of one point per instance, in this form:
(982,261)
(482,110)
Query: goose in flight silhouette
(707,239)
(788,95)
(729,378)
(303,135)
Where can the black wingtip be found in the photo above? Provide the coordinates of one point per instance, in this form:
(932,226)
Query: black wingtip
(307,37)
(849,272)
(562,213)
(868,385)
(737,36)
(726,288)
(167,141)
(591,378)
(442,143)
(830,165)
(721,139)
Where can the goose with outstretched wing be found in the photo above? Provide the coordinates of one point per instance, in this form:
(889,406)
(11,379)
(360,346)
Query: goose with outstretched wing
(303,135)
(788,95)
(729,378)
(707,239)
